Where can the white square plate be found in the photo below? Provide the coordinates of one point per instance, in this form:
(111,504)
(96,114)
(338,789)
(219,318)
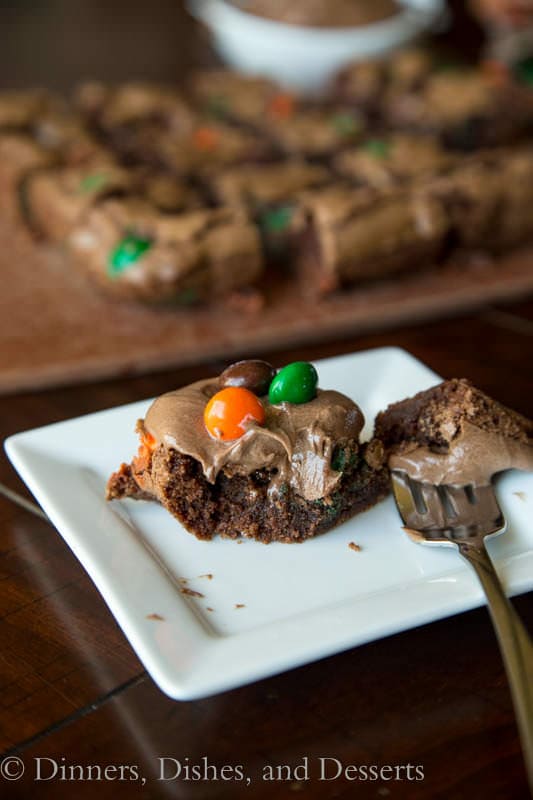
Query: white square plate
(273,607)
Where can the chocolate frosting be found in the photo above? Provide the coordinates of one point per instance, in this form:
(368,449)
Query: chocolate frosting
(297,440)
(473,457)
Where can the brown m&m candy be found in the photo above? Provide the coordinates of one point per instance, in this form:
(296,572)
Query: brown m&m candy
(254,375)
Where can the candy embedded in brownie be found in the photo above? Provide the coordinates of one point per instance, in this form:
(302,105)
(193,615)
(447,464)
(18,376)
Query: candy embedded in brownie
(393,159)
(355,235)
(270,194)
(208,147)
(256,454)
(454,434)
(133,251)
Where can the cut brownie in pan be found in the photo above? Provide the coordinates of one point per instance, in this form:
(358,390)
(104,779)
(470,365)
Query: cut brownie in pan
(392,160)
(149,124)
(296,127)
(488,199)
(57,200)
(135,252)
(19,155)
(207,148)
(466,108)
(455,434)
(65,136)
(270,194)
(355,235)
(255,454)
(365,84)
(221,94)
(312,131)
(115,108)
(167,192)
(19,110)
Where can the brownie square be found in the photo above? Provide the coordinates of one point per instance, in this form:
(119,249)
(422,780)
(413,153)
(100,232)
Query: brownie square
(393,160)
(467,109)
(133,251)
(270,194)
(354,236)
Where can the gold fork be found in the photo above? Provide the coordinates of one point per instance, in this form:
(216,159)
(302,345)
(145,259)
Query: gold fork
(463,517)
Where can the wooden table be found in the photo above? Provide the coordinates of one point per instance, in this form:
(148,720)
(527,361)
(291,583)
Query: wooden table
(436,696)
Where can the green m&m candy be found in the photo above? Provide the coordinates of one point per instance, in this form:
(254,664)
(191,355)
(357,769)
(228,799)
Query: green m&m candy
(295,383)
(277,220)
(93,183)
(379,148)
(128,251)
(346,124)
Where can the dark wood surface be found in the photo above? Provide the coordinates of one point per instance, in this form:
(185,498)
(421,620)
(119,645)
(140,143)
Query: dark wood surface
(72,688)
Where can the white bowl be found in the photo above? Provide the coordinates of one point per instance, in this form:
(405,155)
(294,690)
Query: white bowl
(305,58)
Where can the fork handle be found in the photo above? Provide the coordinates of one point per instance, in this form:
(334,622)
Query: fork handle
(515,645)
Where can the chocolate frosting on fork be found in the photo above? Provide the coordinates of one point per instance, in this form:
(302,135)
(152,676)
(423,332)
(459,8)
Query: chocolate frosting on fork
(472,457)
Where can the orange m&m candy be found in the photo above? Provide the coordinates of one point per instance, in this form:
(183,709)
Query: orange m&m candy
(206,139)
(230,411)
(281,106)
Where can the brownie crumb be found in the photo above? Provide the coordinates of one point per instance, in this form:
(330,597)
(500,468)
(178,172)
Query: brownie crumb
(183,580)
(191,592)
(208,575)
(521,496)
(156,617)
(240,605)
(209,608)
(354,546)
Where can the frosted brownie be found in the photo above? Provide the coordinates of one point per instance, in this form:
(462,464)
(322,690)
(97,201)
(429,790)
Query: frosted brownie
(221,94)
(365,84)
(256,454)
(135,252)
(111,109)
(58,199)
(488,199)
(270,194)
(392,160)
(467,109)
(208,148)
(357,235)
(296,127)
(19,110)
